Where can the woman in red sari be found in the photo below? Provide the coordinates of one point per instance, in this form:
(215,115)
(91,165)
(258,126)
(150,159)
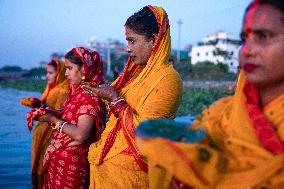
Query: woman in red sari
(78,124)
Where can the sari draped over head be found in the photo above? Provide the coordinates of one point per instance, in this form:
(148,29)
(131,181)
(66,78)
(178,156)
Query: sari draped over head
(53,96)
(67,166)
(151,92)
(244,148)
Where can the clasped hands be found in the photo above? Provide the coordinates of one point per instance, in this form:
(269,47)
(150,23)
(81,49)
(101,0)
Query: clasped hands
(104,91)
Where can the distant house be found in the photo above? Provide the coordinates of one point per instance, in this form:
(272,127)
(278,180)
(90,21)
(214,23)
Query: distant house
(219,47)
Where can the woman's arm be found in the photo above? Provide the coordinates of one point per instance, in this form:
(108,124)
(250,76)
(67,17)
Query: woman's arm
(82,132)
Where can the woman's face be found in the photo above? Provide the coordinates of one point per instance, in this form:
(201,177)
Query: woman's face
(50,74)
(138,47)
(73,72)
(262,54)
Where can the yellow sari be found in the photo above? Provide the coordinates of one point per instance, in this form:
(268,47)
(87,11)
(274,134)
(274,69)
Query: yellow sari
(237,155)
(152,92)
(53,96)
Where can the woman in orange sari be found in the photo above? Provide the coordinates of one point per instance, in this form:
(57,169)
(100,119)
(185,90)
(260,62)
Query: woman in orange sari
(245,144)
(148,88)
(53,96)
(79,122)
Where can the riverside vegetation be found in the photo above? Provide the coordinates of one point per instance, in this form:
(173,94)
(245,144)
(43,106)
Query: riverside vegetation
(195,98)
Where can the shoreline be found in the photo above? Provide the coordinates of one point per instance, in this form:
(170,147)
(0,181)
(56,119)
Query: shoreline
(24,85)
(196,95)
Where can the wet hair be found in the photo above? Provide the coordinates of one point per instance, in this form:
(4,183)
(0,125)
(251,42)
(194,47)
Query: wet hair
(278,4)
(53,64)
(143,22)
(74,59)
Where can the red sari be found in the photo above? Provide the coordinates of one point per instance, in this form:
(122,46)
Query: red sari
(67,166)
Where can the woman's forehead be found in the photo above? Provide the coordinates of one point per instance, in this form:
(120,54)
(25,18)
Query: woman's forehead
(264,16)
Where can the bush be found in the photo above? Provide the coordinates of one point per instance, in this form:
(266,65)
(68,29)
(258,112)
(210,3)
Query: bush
(26,85)
(196,100)
(205,71)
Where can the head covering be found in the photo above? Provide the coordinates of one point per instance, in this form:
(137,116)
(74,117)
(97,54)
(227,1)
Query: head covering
(158,59)
(144,80)
(92,65)
(60,78)
(60,71)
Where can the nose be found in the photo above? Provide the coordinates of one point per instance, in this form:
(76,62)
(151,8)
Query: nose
(248,48)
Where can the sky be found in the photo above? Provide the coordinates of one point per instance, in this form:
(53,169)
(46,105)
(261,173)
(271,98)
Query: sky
(32,30)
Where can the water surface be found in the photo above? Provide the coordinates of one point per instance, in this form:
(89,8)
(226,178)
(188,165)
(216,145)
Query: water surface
(15,140)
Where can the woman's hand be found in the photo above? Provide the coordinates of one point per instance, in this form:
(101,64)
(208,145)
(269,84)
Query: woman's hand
(48,117)
(31,102)
(105,91)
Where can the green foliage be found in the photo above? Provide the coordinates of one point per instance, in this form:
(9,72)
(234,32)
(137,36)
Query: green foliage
(119,62)
(195,100)
(184,68)
(26,85)
(11,69)
(205,71)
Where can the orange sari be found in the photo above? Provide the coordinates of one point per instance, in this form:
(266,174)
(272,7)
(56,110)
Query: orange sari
(152,92)
(244,148)
(53,96)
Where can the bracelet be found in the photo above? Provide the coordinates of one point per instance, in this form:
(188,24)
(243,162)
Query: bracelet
(57,125)
(61,127)
(116,100)
(117,106)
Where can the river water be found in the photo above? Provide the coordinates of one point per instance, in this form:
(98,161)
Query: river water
(15,140)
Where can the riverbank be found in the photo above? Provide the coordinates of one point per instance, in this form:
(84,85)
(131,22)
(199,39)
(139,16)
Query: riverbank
(196,95)
(24,85)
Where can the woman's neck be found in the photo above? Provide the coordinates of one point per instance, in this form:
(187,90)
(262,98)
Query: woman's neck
(270,92)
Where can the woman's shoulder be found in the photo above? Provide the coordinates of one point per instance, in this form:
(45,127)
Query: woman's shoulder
(219,107)
(88,98)
(169,75)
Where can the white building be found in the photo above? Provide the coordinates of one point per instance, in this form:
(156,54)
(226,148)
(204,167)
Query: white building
(212,46)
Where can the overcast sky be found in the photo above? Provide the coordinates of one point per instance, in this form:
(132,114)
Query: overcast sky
(31,30)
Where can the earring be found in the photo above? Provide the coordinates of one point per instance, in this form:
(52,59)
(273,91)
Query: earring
(83,78)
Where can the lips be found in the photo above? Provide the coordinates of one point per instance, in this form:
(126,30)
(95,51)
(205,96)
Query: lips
(250,67)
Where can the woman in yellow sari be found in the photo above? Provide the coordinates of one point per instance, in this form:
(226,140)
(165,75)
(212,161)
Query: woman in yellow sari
(244,148)
(148,88)
(53,96)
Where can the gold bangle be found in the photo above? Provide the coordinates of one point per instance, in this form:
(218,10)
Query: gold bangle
(57,125)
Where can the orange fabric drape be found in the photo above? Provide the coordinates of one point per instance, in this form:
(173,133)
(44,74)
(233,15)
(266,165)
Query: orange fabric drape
(53,96)
(240,152)
(152,92)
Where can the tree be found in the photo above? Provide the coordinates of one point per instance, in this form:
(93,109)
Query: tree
(35,72)
(11,69)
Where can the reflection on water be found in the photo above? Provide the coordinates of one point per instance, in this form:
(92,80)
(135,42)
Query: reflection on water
(15,140)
